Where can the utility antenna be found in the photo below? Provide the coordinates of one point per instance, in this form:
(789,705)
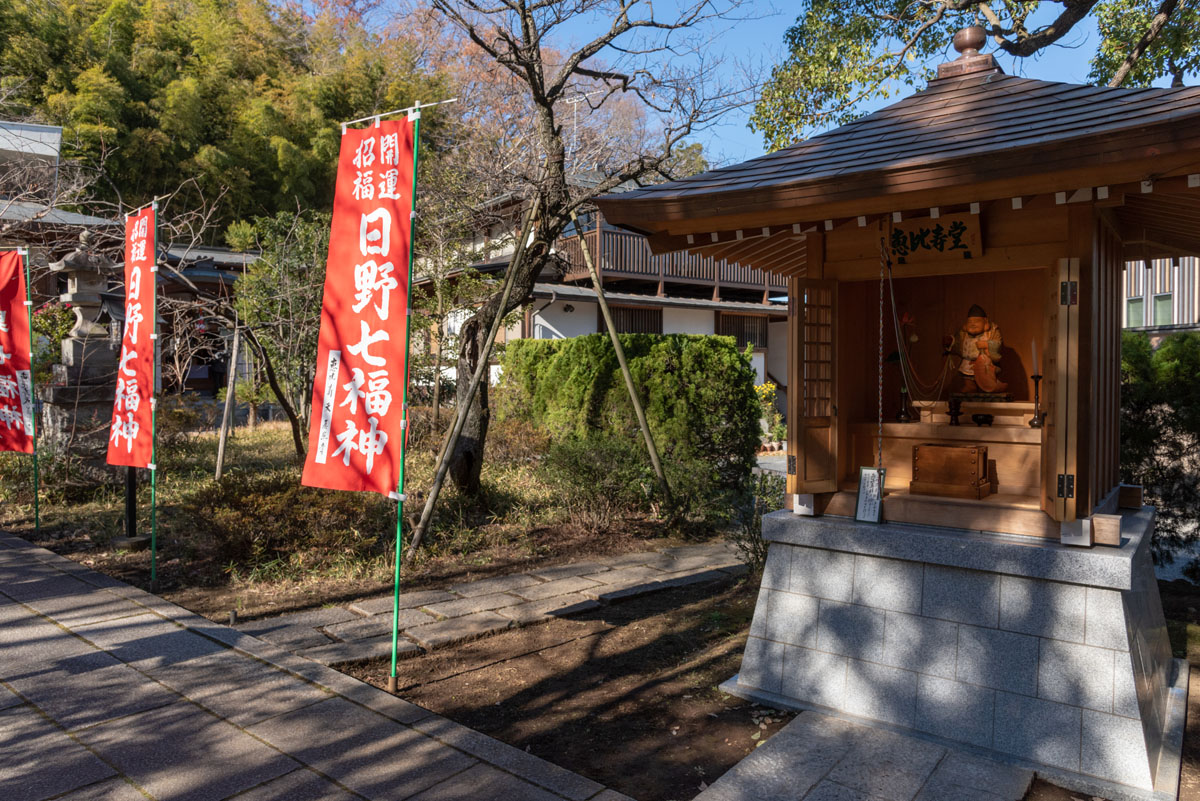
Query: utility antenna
(575,101)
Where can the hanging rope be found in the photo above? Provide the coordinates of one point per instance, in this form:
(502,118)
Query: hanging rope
(923,394)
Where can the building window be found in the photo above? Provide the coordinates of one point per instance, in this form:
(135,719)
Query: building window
(1162,310)
(630,320)
(1135,313)
(747,329)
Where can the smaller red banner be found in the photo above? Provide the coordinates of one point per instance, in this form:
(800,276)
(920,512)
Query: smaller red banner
(131,438)
(16,385)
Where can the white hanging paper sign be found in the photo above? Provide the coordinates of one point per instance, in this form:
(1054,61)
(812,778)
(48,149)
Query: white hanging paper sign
(870,494)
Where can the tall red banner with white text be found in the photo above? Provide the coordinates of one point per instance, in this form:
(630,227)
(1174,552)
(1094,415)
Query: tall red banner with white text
(16,385)
(131,438)
(355,434)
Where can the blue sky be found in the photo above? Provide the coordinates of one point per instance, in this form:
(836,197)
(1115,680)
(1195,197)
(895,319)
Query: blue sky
(732,141)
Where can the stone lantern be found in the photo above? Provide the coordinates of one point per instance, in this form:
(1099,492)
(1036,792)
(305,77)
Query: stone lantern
(78,403)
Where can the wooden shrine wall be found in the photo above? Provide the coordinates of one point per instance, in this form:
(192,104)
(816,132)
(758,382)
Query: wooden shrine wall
(1028,254)
(1097,461)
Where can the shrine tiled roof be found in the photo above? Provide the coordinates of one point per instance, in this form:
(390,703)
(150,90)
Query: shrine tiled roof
(980,126)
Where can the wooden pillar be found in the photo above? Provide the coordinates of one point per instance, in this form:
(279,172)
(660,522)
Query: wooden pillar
(1081,245)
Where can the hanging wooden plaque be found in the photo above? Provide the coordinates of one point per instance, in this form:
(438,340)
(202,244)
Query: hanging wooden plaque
(951,236)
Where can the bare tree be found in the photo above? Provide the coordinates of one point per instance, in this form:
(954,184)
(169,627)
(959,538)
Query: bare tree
(642,83)
(188,337)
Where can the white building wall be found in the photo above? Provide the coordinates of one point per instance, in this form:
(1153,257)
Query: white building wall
(759,363)
(688,321)
(553,321)
(777,351)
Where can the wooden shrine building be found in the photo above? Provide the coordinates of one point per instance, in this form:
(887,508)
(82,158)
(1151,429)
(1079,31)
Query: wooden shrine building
(983,197)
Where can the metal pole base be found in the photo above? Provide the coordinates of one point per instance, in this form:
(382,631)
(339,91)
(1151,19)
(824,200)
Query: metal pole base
(154,586)
(392,685)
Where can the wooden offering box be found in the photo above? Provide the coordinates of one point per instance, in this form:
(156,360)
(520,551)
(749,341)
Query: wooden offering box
(950,470)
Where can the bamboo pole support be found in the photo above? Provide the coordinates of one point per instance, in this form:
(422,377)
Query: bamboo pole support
(461,412)
(230,401)
(616,341)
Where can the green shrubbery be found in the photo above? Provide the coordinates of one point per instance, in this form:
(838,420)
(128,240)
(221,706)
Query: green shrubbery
(1160,434)
(698,393)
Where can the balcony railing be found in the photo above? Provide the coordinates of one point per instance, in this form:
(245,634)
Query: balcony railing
(621,254)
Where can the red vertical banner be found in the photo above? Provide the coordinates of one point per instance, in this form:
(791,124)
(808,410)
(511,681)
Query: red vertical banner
(16,384)
(131,438)
(355,435)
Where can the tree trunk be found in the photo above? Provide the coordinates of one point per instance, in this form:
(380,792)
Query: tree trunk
(1157,24)
(467,459)
(280,395)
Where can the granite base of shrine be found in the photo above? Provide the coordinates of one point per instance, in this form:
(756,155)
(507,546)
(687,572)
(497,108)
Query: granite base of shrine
(1042,654)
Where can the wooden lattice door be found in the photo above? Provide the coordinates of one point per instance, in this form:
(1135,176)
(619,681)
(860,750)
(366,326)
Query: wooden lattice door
(812,433)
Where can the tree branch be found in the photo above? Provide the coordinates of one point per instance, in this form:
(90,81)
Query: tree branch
(1156,27)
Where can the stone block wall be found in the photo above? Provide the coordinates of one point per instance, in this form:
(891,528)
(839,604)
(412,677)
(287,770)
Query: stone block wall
(1062,674)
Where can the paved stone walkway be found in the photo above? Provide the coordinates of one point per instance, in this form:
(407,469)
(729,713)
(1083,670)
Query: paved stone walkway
(437,618)
(821,758)
(110,693)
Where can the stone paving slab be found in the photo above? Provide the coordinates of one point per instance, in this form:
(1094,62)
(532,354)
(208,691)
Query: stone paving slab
(469,606)
(38,760)
(548,775)
(367,628)
(341,653)
(108,790)
(147,640)
(482,781)
(350,745)
(408,600)
(458,629)
(569,570)
(243,691)
(301,784)
(822,758)
(171,753)
(612,593)
(89,689)
(489,586)
(564,586)
(539,611)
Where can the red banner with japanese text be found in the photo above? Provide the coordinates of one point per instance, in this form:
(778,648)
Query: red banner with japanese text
(131,437)
(355,433)
(16,385)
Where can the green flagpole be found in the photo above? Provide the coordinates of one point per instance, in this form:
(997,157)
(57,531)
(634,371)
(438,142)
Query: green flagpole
(154,407)
(37,481)
(415,116)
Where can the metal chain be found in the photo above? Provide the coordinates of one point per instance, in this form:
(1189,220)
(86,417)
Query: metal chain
(879,436)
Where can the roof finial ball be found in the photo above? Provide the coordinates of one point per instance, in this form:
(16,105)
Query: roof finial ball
(970,40)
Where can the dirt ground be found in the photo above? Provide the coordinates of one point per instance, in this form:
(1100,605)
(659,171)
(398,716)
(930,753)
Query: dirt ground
(625,695)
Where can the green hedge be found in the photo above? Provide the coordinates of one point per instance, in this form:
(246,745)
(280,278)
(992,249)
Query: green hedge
(698,393)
